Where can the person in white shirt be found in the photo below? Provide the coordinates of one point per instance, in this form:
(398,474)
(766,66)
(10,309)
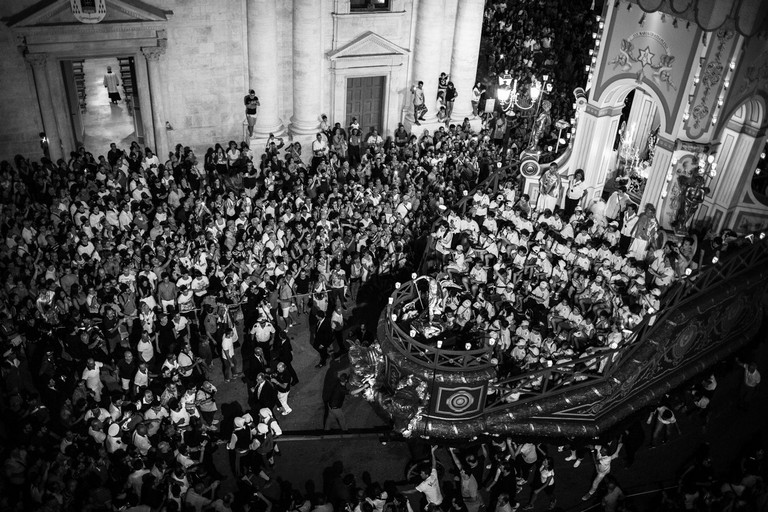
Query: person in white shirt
(319,150)
(228,354)
(628,226)
(577,189)
(602,465)
(430,484)
(141,441)
(92,377)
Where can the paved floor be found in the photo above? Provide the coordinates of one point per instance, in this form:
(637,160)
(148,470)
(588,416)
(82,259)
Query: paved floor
(104,122)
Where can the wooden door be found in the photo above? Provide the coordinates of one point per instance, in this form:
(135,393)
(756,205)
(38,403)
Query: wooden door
(365,101)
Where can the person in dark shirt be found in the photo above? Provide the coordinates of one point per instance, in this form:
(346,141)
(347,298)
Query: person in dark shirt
(126,369)
(301,288)
(284,354)
(251,110)
(504,482)
(335,403)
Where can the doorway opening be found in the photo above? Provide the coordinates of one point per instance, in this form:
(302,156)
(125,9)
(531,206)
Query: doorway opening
(634,145)
(98,117)
(365,101)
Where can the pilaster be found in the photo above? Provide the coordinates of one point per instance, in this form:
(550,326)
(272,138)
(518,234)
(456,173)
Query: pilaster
(152,55)
(466,50)
(38,61)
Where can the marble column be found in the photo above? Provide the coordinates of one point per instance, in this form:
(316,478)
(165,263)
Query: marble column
(152,55)
(38,62)
(426,56)
(307,67)
(262,65)
(466,49)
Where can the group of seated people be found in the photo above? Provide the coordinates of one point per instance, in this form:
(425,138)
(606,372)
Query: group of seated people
(533,288)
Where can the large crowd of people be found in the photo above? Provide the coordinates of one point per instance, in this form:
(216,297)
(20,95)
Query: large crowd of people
(128,279)
(527,39)
(132,282)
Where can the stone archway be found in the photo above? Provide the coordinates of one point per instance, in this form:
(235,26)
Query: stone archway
(51,34)
(733,203)
(597,127)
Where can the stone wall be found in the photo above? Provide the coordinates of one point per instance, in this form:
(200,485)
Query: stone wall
(205,72)
(19,112)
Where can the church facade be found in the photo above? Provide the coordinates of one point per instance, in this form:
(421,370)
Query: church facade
(193,61)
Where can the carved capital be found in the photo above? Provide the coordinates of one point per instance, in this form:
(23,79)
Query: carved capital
(152,53)
(37,59)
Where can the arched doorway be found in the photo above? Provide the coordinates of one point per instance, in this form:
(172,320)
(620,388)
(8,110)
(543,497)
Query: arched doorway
(736,200)
(612,137)
(52,41)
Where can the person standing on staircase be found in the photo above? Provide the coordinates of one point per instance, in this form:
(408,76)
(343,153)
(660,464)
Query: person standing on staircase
(251,110)
(112,83)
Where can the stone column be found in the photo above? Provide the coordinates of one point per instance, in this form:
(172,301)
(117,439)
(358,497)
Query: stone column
(307,67)
(38,62)
(152,55)
(262,65)
(466,49)
(426,56)
(592,148)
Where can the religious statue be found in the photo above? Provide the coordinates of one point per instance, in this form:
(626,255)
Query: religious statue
(541,125)
(549,189)
(692,194)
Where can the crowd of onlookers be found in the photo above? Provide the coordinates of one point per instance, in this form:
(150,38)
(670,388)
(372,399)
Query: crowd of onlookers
(527,39)
(129,279)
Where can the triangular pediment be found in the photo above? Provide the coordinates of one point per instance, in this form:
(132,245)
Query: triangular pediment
(368,45)
(59,12)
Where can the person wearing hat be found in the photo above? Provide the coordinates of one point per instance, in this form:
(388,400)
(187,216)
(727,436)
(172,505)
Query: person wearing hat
(114,441)
(265,435)
(239,446)
(263,334)
(612,234)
